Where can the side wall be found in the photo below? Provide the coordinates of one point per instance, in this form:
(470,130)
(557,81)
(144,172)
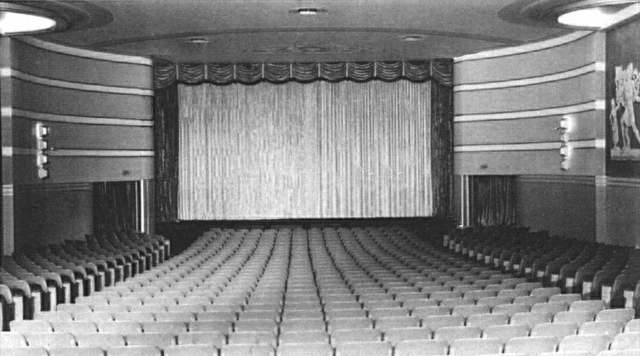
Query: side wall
(98,108)
(509,105)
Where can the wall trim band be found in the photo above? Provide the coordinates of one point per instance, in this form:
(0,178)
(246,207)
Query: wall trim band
(533,47)
(100,153)
(562,110)
(572,73)
(79,86)
(538,146)
(559,179)
(81,119)
(78,52)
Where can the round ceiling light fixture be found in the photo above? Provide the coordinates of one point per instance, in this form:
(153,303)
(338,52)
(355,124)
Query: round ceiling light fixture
(18,19)
(590,14)
(412,38)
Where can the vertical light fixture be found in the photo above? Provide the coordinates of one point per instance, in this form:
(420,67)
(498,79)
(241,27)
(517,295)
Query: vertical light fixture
(565,148)
(42,160)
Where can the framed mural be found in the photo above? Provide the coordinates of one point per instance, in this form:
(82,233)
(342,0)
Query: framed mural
(623,100)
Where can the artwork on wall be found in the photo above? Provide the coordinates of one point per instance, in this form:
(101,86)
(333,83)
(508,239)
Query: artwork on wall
(623,101)
(625,137)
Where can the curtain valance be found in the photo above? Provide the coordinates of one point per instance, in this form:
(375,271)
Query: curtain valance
(440,70)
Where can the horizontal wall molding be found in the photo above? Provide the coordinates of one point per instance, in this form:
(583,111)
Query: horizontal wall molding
(562,110)
(533,47)
(589,68)
(8,72)
(558,179)
(100,153)
(538,146)
(604,181)
(85,120)
(54,187)
(78,52)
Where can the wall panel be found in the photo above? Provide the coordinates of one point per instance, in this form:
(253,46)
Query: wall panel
(99,109)
(561,205)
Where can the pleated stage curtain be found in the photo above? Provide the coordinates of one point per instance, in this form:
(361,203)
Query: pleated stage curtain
(493,200)
(166,149)
(313,150)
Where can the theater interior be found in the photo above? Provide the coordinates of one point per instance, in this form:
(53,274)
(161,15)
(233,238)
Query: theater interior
(323,178)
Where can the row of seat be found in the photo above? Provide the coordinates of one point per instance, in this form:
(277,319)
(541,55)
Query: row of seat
(596,270)
(39,280)
(338,285)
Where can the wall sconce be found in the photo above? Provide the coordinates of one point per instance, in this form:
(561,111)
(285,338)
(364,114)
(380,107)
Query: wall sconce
(42,133)
(565,154)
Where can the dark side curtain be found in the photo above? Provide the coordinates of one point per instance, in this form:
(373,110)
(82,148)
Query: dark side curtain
(166,148)
(114,207)
(493,200)
(442,149)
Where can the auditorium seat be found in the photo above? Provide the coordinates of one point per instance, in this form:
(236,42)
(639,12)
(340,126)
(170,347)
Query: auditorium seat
(609,328)
(119,327)
(254,337)
(12,339)
(626,341)
(424,312)
(592,306)
(30,326)
(190,350)
(511,309)
(421,348)
(531,346)
(26,351)
(76,351)
(577,317)
(101,340)
(630,352)
(552,308)
(531,319)
(566,298)
(313,349)
(452,333)
(506,332)
(247,350)
(167,327)
(49,340)
(621,315)
(379,348)
(483,321)
(53,316)
(134,350)
(580,343)
(475,347)
(395,335)
(75,327)
(350,324)
(558,330)
(349,336)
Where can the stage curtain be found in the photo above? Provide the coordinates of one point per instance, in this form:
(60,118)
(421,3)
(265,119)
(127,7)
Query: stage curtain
(315,150)
(166,153)
(493,200)
(166,74)
(114,207)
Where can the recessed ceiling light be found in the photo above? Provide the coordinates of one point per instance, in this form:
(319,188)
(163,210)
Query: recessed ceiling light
(307,11)
(412,38)
(596,17)
(198,40)
(12,23)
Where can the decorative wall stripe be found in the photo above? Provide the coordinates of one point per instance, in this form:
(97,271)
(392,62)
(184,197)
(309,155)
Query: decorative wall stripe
(538,146)
(7,190)
(589,68)
(77,52)
(79,86)
(622,182)
(19,151)
(559,179)
(60,187)
(81,119)
(504,52)
(100,153)
(562,110)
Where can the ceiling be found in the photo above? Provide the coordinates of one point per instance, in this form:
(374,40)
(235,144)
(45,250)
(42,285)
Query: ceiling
(271,31)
